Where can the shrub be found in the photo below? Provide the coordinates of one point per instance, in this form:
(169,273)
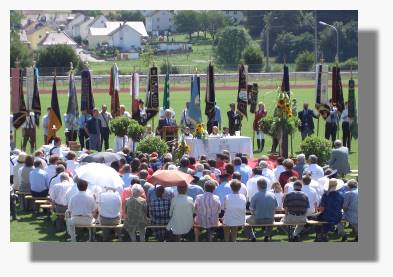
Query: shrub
(252,56)
(350,63)
(304,61)
(152,144)
(135,131)
(318,146)
(119,125)
(57,56)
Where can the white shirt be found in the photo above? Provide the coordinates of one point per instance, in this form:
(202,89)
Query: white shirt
(344,116)
(83,204)
(235,210)
(279,196)
(277,171)
(29,122)
(126,114)
(252,187)
(71,166)
(74,191)
(181,213)
(58,192)
(316,171)
(312,198)
(55,180)
(109,204)
(45,122)
(51,171)
(268,173)
(243,189)
(107,118)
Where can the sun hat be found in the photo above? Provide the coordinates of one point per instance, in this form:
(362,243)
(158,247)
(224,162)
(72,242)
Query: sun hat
(333,184)
(22,157)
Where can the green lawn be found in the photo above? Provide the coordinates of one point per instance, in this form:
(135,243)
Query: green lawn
(223,98)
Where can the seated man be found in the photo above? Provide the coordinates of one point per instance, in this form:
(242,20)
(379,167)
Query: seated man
(39,185)
(167,121)
(187,133)
(81,209)
(214,132)
(295,205)
(109,205)
(263,206)
(207,208)
(350,206)
(58,193)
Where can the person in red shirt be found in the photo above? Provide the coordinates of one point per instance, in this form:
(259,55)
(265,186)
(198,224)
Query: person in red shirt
(289,172)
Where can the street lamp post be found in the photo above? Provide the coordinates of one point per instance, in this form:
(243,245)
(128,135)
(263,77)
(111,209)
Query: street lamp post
(331,26)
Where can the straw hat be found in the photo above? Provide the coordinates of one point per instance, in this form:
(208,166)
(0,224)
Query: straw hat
(333,184)
(22,157)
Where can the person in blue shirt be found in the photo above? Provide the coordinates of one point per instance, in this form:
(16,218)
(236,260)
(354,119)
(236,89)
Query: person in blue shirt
(216,119)
(330,210)
(244,171)
(83,118)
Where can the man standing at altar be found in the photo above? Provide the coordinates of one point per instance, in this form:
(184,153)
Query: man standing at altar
(234,119)
(165,122)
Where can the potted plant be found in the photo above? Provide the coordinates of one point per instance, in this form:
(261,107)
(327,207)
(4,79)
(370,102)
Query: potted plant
(119,126)
(135,133)
(318,146)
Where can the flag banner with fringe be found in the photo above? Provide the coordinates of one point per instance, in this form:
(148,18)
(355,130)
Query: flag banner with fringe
(114,88)
(210,97)
(29,87)
(134,92)
(87,100)
(352,111)
(72,107)
(337,89)
(242,90)
(166,100)
(253,97)
(194,111)
(152,101)
(19,111)
(54,118)
(321,90)
(36,102)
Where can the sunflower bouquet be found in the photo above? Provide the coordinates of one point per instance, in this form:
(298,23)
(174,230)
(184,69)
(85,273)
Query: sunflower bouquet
(200,131)
(283,107)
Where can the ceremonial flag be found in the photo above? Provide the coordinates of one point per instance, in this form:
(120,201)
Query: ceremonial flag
(18,102)
(165,101)
(285,81)
(194,110)
(114,88)
(242,90)
(54,118)
(352,111)
(210,97)
(134,92)
(36,103)
(253,98)
(321,90)
(87,100)
(152,101)
(72,108)
(29,87)
(337,89)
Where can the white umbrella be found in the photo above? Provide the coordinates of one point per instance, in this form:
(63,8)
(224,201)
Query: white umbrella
(100,175)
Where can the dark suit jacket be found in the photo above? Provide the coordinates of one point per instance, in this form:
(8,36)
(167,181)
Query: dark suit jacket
(232,117)
(306,119)
(162,123)
(92,124)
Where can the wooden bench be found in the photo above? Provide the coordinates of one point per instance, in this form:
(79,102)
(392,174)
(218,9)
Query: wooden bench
(92,227)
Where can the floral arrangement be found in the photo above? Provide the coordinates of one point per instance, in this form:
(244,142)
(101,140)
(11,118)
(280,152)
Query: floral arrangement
(181,149)
(200,131)
(283,108)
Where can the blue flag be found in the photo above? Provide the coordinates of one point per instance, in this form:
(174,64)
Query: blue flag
(194,111)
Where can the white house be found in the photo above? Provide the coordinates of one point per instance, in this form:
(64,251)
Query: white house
(57,38)
(82,30)
(71,28)
(157,21)
(124,35)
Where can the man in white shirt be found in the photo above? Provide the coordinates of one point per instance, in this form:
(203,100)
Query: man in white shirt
(252,187)
(105,118)
(123,111)
(39,156)
(45,122)
(58,193)
(109,206)
(314,168)
(279,169)
(346,127)
(81,209)
(311,193)
(71,162)
(51,169)
(267,172)
(56,178)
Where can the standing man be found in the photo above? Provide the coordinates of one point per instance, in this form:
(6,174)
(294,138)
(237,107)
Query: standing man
(45,123)
(345,127)
(28,132)
(234,119)
(216,119)
(105,117)
(185,120)
(307,123)
(84,117)
(165,122)
(93,130)
(331,123)
(123,111)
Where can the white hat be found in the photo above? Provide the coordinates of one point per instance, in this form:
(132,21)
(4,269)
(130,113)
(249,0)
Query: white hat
(333,184)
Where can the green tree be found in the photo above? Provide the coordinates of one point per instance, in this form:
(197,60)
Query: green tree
(284,47)
(231,42)
(15,20)
(216,22)
(57,56)
(252,56)
(19,52)
(131,16)
(304,61)
(147,56)
(187,22)
(254,22)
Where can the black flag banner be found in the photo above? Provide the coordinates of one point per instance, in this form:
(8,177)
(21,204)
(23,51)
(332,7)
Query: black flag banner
(285,81)
(242,91)
(19,117)
(337,89)
(210,97)
(253,97)
(36,103)
(152,101)
(87,100)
